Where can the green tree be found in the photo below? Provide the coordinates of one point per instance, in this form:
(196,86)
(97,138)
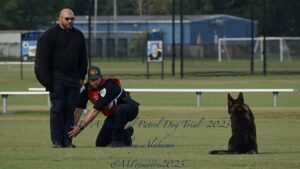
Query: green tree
(30,14)
(128,7)
(282,17)
(156,7)
(7,17)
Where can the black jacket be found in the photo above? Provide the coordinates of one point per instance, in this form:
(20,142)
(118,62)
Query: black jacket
(63,51)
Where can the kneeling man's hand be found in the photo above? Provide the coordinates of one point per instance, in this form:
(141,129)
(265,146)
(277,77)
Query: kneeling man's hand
(76,130)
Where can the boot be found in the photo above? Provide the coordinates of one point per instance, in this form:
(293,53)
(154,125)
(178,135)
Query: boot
(117,139)
(117,143)
(128,132)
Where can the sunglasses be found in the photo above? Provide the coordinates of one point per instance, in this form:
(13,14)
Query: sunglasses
(67,19)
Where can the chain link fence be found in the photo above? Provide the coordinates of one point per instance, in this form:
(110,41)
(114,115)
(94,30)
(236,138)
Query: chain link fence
(283,56)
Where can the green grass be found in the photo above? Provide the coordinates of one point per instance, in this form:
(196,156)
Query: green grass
(209,74)
(25,141)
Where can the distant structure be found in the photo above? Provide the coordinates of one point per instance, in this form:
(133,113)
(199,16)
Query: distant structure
(198,29)
(10,43)
(115,39)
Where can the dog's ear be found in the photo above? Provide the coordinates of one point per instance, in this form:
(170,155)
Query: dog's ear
(241,98)
(230,100)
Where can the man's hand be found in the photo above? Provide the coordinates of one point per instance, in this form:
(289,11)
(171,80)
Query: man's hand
(76,130)
(81,82)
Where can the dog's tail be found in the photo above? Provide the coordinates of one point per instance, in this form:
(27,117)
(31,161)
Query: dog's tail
(221,152)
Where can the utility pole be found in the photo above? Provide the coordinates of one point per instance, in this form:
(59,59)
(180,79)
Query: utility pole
(181,39)
(115,15)
(94,44)
(115,29)
(264,39)
(95,18)
(89,32)
(140,3)
(252,38)
(173,38)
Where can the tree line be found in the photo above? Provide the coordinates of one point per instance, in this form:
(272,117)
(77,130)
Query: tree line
(282,17)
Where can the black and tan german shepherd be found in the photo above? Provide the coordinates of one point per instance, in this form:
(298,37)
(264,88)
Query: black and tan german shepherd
(243,139)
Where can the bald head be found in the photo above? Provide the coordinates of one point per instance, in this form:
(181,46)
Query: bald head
(66,18)
(66,11)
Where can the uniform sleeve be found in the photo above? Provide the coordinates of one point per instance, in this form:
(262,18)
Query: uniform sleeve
(108,93)
(83,97)
(43,67)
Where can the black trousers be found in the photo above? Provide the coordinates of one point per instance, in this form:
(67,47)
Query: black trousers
(113,126)
(64,97)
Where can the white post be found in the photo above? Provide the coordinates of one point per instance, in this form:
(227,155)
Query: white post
(198,95)
(281,49)
(219,50)
(275,99)
(4,97)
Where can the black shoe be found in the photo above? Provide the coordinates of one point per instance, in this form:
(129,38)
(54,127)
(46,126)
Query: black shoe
(130,130)
(70,145)
(117,143)
(57,145)
(127,136)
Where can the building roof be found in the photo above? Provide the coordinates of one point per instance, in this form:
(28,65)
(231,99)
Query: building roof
(155,18)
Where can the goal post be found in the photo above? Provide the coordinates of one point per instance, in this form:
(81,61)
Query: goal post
(277,47)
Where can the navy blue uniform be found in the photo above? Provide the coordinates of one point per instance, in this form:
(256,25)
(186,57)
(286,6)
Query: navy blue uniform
(115,104)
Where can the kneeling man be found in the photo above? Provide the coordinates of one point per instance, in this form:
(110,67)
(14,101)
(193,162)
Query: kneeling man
(114,102)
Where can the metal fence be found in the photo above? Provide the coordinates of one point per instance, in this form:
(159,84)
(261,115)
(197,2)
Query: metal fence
(134,46)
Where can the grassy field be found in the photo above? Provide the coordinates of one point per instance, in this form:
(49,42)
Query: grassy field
(187,132)
(25,141)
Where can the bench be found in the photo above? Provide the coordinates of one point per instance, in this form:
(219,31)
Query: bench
(18,93)
(198,92)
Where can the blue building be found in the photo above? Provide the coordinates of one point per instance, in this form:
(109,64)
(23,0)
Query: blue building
(198,29)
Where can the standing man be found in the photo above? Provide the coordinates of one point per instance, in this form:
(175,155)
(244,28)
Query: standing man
(115,103)
(61,66)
